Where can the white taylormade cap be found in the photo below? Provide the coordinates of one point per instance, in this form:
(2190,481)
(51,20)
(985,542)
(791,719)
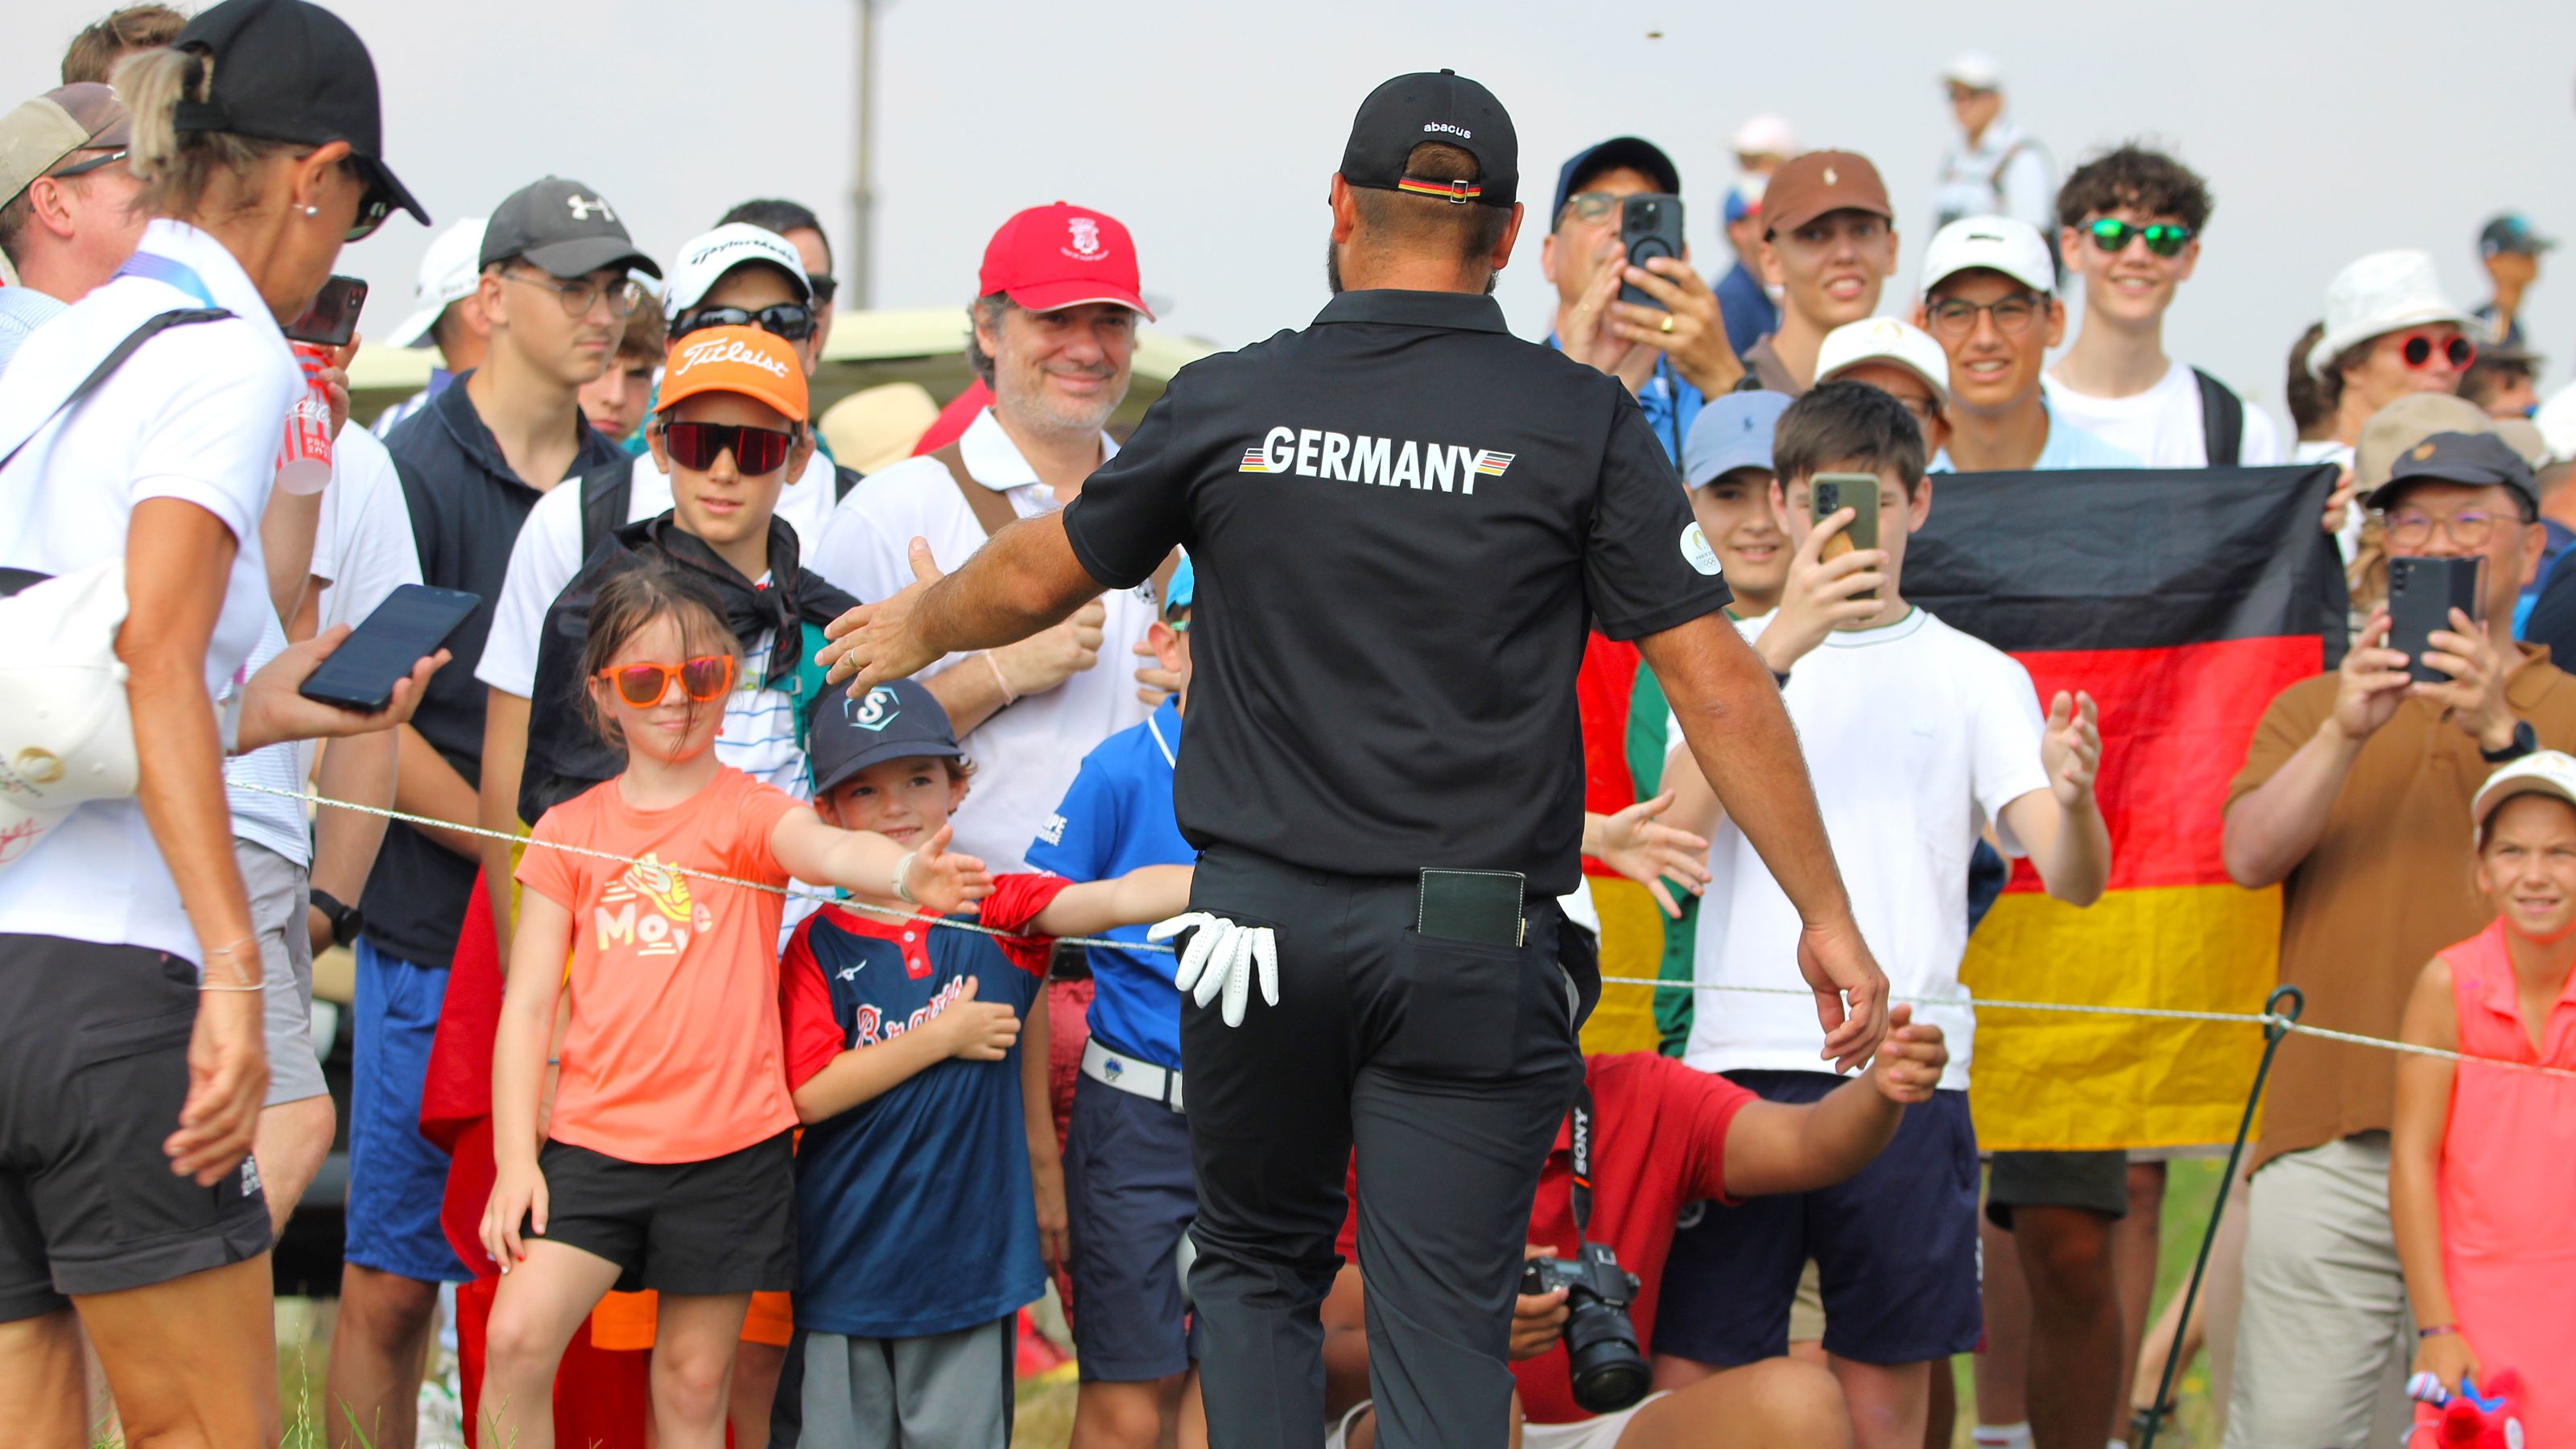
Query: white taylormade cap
(705,258)
(447,274)
(2003,244)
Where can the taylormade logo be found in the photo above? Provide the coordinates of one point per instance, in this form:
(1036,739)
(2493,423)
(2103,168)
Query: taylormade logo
(1461,132)
(696,354)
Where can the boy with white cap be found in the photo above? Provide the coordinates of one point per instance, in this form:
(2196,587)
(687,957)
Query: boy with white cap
(1995,167)
(446,313)
(1899,359)
(1989,299)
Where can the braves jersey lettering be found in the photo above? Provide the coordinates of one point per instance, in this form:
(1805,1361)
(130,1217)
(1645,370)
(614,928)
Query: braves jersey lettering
(1386,462)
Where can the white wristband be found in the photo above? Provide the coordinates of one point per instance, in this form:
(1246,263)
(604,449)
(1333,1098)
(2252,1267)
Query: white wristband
(902,868)
(1009,696)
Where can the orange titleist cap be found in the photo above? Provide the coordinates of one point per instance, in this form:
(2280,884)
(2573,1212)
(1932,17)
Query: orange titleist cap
(736,359)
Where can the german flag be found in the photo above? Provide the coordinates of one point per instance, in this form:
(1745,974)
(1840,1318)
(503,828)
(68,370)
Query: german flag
(2183,601)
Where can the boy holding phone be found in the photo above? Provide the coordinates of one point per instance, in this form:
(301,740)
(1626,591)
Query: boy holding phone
(1920,737)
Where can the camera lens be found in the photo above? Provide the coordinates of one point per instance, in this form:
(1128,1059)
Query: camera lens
(1602,1357)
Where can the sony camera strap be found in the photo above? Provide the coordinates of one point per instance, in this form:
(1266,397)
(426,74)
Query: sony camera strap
(1579,1121)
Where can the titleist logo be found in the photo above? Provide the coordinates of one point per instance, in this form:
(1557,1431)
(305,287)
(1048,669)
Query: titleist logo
(726,349)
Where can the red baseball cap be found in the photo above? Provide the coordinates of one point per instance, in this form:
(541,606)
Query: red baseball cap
(1063,255)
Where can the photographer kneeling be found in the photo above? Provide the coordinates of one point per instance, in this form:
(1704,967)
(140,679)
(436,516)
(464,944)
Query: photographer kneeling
(1647,1136)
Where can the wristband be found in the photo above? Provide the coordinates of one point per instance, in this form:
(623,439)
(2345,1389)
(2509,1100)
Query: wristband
(1010,696)
(204,985)
(2437,1330)
(902,868)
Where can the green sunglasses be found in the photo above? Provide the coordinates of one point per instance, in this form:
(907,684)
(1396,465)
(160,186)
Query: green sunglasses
(2112,235)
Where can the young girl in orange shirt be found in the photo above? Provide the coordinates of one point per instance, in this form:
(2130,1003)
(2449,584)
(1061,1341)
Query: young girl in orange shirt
(664,1160)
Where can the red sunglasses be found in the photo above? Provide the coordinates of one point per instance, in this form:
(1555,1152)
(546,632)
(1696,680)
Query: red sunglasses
(755,450)
(2417,350)
(707,677)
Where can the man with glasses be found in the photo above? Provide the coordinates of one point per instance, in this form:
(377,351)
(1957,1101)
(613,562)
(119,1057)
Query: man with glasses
(1987,300)
(67,213)
(2355,798)
(1671,354)
(2130,224)
(1829,244)
(555,287)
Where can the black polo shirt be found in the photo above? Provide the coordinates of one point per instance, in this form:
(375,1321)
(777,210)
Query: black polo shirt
(1400,519)
(466,507)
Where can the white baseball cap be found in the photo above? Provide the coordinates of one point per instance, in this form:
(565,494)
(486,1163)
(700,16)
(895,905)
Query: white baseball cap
(1767,134)
(66,735)
(2005,244)
(705,258)
(2546,772)
(1974,69)
(1885,339)
(449,271)
(2379,294)
(2557,420)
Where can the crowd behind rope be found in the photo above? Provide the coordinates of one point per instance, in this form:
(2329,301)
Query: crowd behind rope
(632,1144)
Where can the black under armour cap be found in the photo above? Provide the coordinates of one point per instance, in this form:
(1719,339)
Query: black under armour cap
(2479,460)
(1445,107)
(286,70)
(897,720)
(561,228)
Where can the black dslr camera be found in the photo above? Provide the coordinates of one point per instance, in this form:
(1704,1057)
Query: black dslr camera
(1601,1350)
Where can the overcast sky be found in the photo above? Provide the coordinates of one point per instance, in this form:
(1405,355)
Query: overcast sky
(2326,129)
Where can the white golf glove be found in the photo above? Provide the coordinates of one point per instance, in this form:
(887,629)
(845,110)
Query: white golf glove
(1222,957)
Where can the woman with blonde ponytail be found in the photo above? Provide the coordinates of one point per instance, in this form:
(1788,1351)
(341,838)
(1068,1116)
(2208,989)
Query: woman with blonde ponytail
(131,1064)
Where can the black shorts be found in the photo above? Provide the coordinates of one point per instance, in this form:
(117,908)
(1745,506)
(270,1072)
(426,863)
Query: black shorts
(2095,1181)
(725,1225)
(93,1071)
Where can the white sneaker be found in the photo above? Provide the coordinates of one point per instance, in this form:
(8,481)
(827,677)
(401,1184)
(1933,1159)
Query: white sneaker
(441,1421)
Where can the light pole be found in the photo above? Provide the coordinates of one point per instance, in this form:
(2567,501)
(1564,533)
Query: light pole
(862,199)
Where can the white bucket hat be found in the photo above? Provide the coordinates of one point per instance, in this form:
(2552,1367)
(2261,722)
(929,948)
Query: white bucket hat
(2379,294)
(66,734)
(449,272)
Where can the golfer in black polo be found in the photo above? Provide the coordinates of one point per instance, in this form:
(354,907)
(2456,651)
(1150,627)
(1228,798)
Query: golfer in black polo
(1402,521)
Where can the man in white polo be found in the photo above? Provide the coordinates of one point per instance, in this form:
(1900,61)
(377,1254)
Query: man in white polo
(1055,317)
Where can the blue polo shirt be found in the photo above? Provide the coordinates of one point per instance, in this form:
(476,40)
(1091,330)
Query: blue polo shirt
(1118,816)
(1670,404)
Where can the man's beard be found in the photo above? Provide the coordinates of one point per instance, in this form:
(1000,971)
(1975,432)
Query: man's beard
(1040,408)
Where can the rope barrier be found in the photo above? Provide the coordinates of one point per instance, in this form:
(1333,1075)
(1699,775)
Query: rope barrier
(2266,1020)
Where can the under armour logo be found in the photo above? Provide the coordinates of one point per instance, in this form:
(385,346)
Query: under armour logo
(585,208)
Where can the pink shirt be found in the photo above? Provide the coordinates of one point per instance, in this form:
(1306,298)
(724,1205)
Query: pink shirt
(2508,1187)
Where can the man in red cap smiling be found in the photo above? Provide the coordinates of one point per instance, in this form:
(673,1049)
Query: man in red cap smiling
(1055,315)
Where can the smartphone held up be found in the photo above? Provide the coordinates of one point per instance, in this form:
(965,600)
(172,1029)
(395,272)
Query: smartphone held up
(1831,493)
(1650,226)
(2422,592)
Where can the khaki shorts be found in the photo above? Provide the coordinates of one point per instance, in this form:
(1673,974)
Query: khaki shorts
(278,894)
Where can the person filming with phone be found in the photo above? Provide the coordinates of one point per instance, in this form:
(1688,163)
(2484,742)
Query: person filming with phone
(1400,520)
(139,436)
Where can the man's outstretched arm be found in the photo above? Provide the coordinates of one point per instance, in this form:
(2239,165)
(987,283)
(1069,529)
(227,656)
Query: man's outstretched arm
(1023,579)
(1739,733)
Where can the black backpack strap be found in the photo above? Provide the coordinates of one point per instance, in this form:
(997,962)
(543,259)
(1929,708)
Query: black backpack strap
(2222,421)
(843,480)
(606,494)
(152,327)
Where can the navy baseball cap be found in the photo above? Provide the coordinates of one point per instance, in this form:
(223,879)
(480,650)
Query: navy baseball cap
(1445,107)
(1631,152)
(1732,432)
(2479,460)
(2511,232)
(898,720)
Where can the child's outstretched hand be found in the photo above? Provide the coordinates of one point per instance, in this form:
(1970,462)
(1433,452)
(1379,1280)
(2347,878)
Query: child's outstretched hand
(978,1031)
(518,1196)
(1909,1062)
(941,882)
(2071,749)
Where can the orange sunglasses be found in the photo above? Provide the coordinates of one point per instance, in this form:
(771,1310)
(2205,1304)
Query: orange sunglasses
(709,676)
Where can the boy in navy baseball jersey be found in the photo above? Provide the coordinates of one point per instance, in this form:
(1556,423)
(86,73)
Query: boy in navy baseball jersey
(928,1176)
(1128,1188)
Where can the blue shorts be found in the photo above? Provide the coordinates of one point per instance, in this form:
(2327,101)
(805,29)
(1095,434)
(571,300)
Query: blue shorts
(397,1179)
(1895,1250)
(1130,1195)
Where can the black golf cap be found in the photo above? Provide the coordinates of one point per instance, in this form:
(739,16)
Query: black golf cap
(285,70)
(2478,460)
(1445,107)
(897,720)
(561,228)
(1632,153)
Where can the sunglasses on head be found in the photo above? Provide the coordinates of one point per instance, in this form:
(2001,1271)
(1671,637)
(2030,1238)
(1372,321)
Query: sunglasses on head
(756,451)
(2110,234)
(707,677)
(824,286)
(791,320)
(2419,348)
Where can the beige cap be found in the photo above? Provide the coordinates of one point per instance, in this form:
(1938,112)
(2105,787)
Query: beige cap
(2545,772)
(1884,339)
(2523,436)
(2405,423)
(877,427)
(38,134)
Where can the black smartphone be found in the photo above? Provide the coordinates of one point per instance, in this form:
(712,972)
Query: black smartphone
(2422,592)
(1650,226)
(1481,906)
(409,626)
(333,318)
